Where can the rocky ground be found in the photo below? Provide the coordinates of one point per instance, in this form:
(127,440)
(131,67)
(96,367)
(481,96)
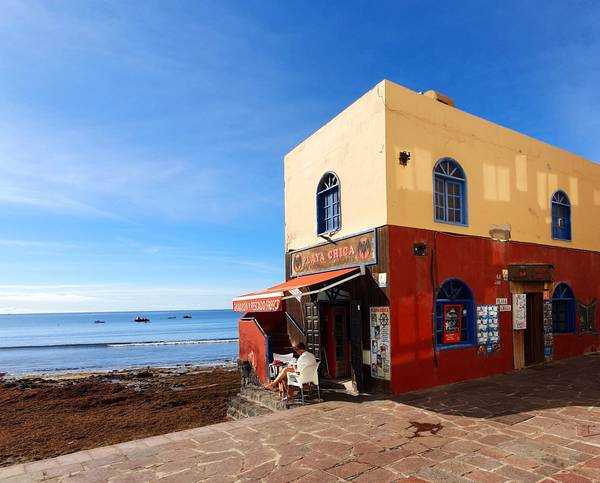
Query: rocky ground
(42,418)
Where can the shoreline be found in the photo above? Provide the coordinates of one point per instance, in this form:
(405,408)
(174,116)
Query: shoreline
(82,373)
(47,415)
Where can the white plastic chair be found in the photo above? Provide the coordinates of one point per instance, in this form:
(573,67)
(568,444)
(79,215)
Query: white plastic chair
(285,358)
(310,375)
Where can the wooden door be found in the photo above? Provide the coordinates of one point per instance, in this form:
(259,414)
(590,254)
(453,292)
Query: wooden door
(356,335)
(533,337)
(312,328)
(518,349)
(336,330)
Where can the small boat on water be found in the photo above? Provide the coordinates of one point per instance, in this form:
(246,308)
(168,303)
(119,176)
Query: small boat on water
(187,316)
(99,321)
(171,317)
(139,318)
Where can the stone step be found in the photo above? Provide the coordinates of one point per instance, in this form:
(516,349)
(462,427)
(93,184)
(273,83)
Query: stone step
(268,399)
(334,383)
(339,385)
(240,408)
(254,401)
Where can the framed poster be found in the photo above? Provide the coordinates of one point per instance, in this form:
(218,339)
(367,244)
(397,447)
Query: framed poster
(380,342)
(519,311)
(452,323)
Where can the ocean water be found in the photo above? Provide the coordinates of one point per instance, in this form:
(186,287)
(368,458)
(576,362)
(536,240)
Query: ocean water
(54,343)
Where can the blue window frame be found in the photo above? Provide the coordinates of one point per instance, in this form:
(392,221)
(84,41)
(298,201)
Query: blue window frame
(449,192)
(328,204)
(563,309)
(561,216)
(452,293)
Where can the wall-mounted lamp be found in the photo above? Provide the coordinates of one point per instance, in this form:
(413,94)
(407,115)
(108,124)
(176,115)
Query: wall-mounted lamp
(403,157)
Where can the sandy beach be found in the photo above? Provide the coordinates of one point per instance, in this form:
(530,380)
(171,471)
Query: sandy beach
(55,415)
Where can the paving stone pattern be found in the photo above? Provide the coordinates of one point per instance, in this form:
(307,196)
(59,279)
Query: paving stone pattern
(540,424)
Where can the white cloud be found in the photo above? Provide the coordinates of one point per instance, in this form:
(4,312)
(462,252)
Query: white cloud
(80,173)
(35,244)
(20,299)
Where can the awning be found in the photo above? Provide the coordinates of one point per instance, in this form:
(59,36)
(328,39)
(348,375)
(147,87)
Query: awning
(271,299)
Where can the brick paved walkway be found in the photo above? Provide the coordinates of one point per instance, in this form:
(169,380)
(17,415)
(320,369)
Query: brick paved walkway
(537,424)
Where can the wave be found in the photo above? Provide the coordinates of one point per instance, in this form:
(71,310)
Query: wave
(123,344)
(174,342)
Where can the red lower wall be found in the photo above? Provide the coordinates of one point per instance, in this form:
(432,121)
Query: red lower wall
(252,342)
(413,282)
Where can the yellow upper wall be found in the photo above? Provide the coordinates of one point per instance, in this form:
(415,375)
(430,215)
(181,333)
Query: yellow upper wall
(510,177)
(352,145)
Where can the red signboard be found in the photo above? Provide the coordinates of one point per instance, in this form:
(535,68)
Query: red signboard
(347,252)
(452,323)
(531,272)
(268,304)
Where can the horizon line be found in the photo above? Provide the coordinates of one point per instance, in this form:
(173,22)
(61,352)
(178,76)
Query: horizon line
(112,311)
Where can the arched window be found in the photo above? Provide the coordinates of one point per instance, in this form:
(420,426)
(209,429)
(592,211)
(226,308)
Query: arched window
(454,315)
(563,309)
(561,216)
(328,204)
(449,192)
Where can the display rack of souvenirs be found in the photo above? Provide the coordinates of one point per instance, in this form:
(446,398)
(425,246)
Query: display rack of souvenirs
(488,329)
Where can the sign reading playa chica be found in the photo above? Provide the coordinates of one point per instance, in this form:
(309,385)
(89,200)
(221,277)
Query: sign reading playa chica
(347,252)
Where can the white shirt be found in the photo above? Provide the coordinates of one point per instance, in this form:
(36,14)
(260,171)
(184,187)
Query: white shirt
(305,360)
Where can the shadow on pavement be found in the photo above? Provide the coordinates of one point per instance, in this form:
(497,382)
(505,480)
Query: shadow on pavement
(506,397)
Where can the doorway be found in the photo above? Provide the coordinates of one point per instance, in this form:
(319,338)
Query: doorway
(336,335)
(533,337)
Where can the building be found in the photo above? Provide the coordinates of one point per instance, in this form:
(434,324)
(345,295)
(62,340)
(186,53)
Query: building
(425,246)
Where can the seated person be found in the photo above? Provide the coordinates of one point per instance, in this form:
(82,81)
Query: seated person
(305,359)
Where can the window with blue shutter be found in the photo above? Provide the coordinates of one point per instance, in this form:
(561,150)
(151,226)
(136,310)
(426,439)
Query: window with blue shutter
(449,192)
(563,309)
(561,216)
(328,205)
(457,295)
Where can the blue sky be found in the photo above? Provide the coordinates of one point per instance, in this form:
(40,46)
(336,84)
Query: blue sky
(141,143)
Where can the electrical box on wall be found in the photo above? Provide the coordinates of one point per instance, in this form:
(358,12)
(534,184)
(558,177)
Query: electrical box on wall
(382,280)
